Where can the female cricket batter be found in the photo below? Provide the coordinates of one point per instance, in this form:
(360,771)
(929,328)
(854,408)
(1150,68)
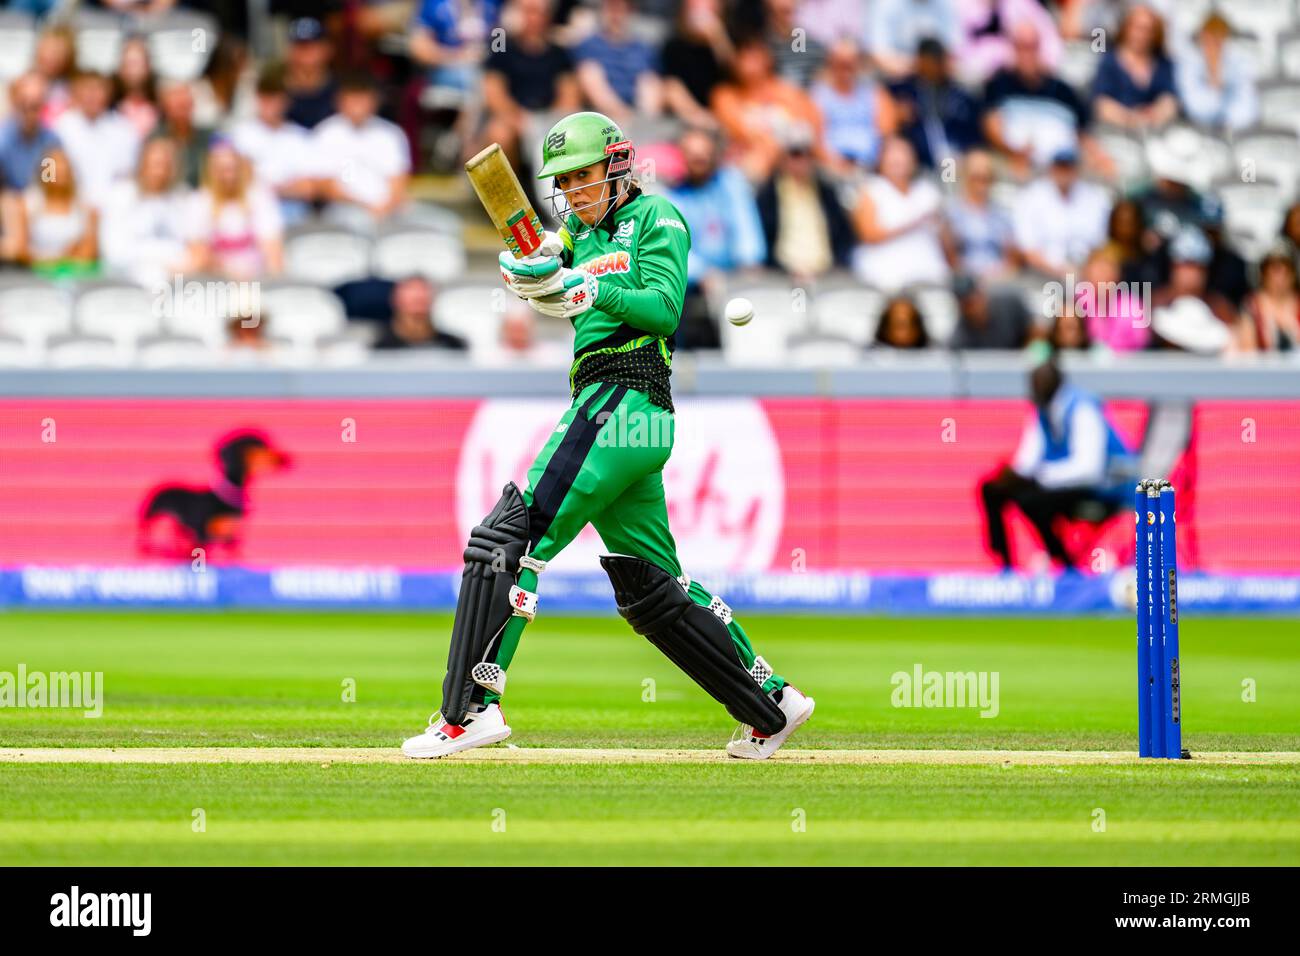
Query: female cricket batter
(617,271)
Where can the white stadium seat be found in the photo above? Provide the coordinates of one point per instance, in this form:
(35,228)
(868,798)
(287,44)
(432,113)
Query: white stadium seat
(777,317)
(119,311)
(326,255)
(181,43)
(850,314)
(823,352)
(89,351)
(99,36)
(17,44)
(1288,55)
(35,310)
(939,310)
(302,314)
(473,311)
(16,352)
(174,351)
(1279,104)
(1272,153)
(434,255)
(1253,209)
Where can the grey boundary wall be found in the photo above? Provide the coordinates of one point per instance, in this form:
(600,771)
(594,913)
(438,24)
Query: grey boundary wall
(881,375)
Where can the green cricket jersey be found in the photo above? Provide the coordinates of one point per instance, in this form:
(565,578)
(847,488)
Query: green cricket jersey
(638,255)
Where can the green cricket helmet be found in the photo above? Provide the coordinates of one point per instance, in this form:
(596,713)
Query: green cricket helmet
(581,140)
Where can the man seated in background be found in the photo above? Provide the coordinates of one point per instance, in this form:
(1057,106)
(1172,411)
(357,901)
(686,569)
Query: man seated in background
(367,158)
(798,55)
(1060,218)
(529,74)
(726,234)
(1030,114)
(805,226)
(616,70)
(101,143)
(308,78)
(412,323)
(936,115)
(279,150)
(24,137)
(519,345)
(1071,463)
(177,123)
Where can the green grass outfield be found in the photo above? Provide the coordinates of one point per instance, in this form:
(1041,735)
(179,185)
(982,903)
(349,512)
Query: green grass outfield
(279,680)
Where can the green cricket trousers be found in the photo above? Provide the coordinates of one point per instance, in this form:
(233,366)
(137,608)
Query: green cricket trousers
(603,465)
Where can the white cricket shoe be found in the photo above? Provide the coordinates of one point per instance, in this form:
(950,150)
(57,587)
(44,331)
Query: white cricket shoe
(751,744)
(440,738)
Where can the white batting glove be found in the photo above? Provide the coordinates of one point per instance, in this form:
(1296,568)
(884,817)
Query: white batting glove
(577,295)
(537,274)
(531,277)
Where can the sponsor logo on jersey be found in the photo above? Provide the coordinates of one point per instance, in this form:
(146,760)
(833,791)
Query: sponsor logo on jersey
(609,262)
(673,223)
(623,234)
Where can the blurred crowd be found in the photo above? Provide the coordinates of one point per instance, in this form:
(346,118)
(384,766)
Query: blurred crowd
(1084,175)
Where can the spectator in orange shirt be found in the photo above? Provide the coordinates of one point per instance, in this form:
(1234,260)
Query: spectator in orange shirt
(758,109)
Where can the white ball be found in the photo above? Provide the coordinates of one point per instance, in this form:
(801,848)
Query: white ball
(739,311)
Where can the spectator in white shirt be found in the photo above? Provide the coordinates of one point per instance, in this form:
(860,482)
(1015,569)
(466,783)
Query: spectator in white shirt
(1216,83)
(1059,218)
(898,220)
(366,159)
(102,144)
(279,150)
(142,227)
(235,227)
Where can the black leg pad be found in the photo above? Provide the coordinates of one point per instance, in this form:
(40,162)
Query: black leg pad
(691,636)
(483,607)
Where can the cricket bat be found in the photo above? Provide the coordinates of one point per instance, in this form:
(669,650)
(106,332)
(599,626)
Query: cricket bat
(506,202)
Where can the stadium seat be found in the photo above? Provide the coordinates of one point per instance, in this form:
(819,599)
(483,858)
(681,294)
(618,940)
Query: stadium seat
(473,311)
(326,255)
(421,215)
(849,314)
(1266,19)
(1188,15)
(174,351)
(823,351)
(1288,55)
(777,317)
(1259,51)
(88,351)
(1252,209)
(939,310)
(1273,153)
(206,318)
(17,352)
(34,310)
(434,255)
(181,43)
(301,314)
(1279,104)
(17,43)
(116,310)
(1078,64)
(99,37)
(1127,152)
(341,351)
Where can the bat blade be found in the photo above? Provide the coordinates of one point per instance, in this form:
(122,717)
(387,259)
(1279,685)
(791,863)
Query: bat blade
(506,202)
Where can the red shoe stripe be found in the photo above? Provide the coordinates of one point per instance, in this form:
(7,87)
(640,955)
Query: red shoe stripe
(451,730)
